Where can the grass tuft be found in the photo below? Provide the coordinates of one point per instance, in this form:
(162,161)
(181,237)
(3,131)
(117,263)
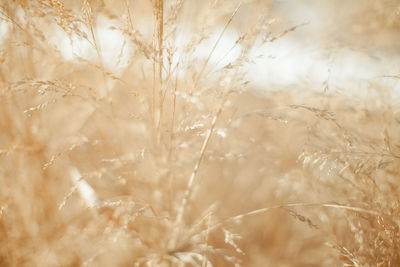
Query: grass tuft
(161,151)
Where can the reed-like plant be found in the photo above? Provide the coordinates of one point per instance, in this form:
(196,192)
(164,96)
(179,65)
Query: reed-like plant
(163,152)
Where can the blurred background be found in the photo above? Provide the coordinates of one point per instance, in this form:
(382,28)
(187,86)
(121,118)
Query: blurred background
(346,46)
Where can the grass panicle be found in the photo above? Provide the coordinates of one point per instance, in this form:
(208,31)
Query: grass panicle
(131,134)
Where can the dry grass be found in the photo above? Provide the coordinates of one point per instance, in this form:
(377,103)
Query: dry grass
(166,159)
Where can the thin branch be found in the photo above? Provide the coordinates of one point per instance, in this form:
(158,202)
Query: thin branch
(216,44)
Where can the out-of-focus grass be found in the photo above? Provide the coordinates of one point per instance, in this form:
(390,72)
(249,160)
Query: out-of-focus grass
(164,159)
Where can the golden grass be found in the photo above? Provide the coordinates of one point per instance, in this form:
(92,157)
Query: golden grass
(165,162)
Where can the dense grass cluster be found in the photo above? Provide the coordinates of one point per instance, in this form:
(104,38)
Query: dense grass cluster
(162,157)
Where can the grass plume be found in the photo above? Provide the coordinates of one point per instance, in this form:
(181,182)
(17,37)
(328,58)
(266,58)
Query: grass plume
(160,152)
